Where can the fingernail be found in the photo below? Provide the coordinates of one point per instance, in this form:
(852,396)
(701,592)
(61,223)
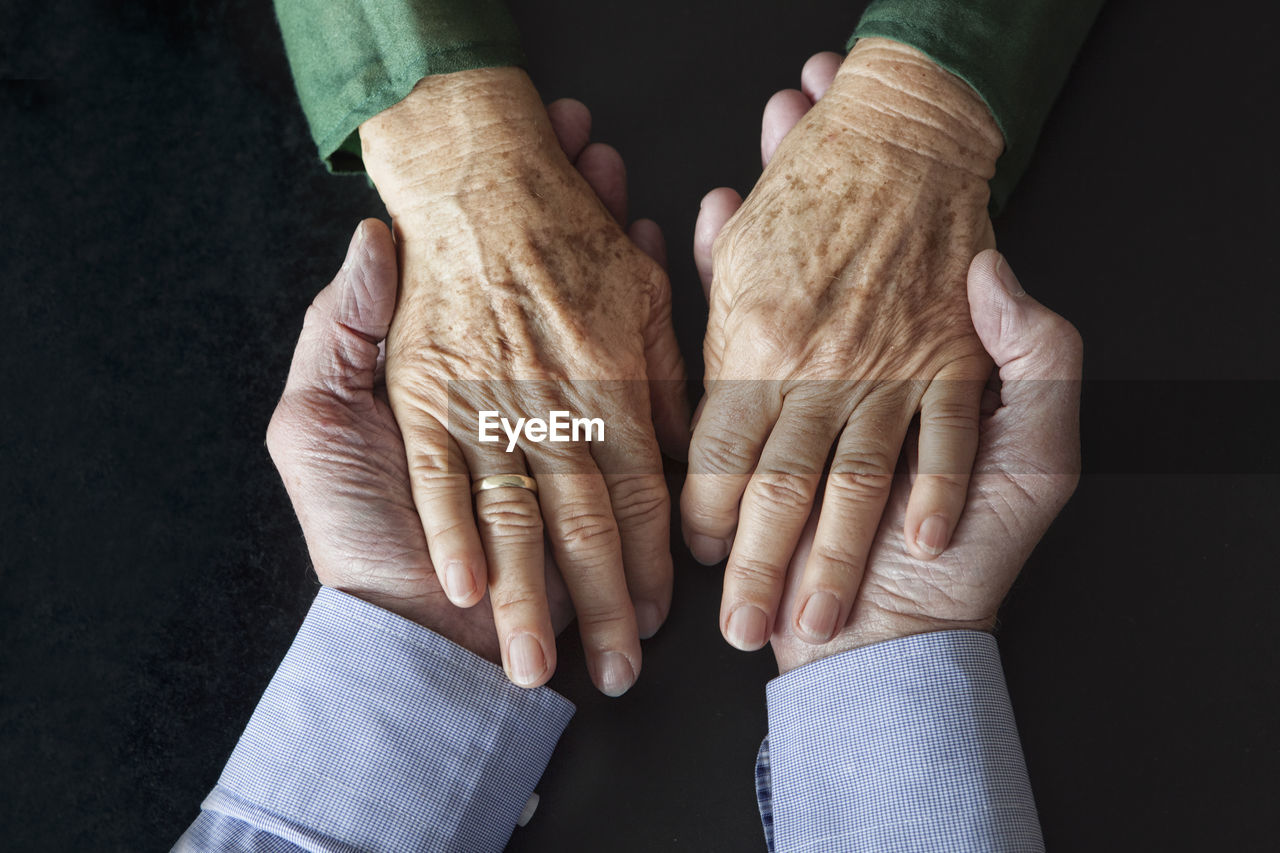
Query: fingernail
(1008,280)
(932,538)
(818,618)
(616,674)
(648,619)
(527,661)
(748,628)
(707,549)
(460,581)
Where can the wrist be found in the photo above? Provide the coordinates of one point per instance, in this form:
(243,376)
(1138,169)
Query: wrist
(900,98)
(456,135)
(433,612)
(871,625)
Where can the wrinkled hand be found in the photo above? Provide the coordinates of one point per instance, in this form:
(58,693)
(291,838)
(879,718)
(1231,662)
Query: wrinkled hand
(837,313)
(1028,464)
(521,294)
(338,449)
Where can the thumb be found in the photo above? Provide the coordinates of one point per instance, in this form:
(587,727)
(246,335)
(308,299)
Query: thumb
(717,206)
(1026,340)
(1040,355)
(338,349)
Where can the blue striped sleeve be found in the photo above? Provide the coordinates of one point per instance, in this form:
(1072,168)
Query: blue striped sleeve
(907,745)
(377,734)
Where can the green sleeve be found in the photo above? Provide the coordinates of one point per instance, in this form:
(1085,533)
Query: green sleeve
(1014,53)
(352,59)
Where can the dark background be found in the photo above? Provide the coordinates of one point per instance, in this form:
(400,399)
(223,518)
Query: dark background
(166,222)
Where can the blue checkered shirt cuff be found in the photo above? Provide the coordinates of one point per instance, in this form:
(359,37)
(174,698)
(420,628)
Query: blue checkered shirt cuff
(377,734)
(907,745)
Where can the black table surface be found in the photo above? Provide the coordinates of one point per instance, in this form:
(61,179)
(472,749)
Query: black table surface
(166,223)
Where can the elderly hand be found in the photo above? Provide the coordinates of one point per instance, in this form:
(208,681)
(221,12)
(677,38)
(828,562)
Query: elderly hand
(837,313)
(338,449)
(1028,464)
(520,293)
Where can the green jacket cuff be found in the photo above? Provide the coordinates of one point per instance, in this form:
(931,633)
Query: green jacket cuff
(352,59)
(1015,54)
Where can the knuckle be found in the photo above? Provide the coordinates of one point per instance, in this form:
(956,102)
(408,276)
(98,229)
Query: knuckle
(640,501)
(857,487)
(511,603)
(606,616)
(836,563)
(754,576)
(438,534)
(432,468)
(787,491)
(723,453)
(277,430)
(304,427)
(953,415)
(945,482)
(861,477)
(702,516)
(866,461)
(1071,340)
(586,530)
(1061,351)
(513,518)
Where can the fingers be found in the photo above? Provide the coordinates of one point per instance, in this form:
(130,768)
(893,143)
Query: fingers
(632,468)
(858,486)
(783,112)
(601,165)
(774,508)
(1039,355)
(948,442)
(646,234)
(604,170)
(577,511)
(818,73)
(510,526)
(663,364)
(787,107)
(736,418)
(441,485)
(642,509)
(571,121)
(716,209)
(338,348)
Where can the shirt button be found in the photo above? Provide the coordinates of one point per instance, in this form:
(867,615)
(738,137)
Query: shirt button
(529,808)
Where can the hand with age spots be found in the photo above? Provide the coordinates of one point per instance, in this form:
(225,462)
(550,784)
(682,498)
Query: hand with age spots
(521,293)
(837,315)
(339,452)
(1027,466)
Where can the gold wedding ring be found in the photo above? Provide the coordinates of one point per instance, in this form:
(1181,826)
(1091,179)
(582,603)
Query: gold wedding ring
(504,481)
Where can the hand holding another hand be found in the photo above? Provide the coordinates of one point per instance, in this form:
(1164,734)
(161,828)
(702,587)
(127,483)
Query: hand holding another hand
(339,450)
(1028,464)
(521,293)
(837,313)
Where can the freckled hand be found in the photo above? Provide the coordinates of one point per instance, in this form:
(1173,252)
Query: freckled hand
(521,296)
(837,315)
